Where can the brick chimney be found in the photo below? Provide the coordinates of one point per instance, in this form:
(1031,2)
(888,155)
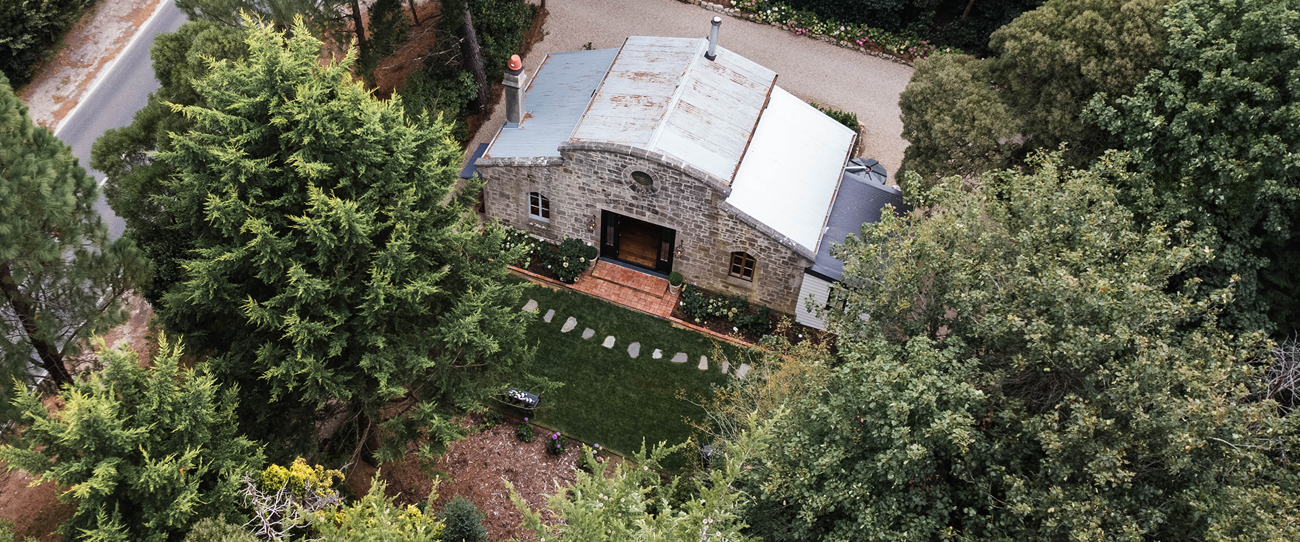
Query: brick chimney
(516,81)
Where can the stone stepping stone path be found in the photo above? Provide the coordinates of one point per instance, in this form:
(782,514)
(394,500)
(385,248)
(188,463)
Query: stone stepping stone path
(634,349)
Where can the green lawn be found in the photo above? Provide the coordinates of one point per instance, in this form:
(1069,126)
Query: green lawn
(608,397)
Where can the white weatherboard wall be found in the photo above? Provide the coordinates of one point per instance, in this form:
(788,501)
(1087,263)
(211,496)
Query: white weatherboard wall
(819,291)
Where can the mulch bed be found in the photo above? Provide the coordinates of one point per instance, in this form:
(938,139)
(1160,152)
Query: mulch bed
(782,325)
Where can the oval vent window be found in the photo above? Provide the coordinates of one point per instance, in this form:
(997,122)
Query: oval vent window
(642,178)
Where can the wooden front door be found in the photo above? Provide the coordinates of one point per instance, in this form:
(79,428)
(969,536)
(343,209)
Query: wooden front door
(637,242)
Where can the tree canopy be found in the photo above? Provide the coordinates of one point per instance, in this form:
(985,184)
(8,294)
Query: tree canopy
(1028,371)
(144,452)
(1218,135)
(61,278)
(963,116)
(332,263)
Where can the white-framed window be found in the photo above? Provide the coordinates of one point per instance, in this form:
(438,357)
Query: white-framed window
(539,207)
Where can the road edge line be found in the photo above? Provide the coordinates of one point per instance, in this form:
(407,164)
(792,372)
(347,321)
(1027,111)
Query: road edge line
(103,74)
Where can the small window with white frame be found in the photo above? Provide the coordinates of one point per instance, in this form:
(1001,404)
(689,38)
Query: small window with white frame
(539,207)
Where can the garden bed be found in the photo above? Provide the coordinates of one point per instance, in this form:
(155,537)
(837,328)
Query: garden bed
(735,317)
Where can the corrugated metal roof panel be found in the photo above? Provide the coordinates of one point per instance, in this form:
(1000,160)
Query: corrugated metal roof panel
(792,168)
(557,96)
(858,201)
(662,95)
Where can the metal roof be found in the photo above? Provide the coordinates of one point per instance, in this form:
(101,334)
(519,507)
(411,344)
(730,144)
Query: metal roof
(858,201)
(662,95)
(554,102)
(792,168)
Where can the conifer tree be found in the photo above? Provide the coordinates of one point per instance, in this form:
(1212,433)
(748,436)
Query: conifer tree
(61,279)
(333,262)
(144,452)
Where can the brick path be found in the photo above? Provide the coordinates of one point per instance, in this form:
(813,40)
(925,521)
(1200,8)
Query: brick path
(644,292)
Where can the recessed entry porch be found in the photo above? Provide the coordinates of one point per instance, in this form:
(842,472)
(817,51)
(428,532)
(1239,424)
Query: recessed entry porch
(637,242)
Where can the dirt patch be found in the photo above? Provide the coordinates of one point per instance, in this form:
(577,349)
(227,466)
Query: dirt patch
(35,511)
(93,42)
(474,468)
(135,332)
(410,56)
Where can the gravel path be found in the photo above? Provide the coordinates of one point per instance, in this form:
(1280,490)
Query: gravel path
(810,69)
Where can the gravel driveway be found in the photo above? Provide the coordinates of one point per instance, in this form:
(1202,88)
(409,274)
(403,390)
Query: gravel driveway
(810,69)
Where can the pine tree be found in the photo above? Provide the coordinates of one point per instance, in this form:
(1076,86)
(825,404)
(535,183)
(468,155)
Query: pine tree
(333,262)
(144,452)
(62,279)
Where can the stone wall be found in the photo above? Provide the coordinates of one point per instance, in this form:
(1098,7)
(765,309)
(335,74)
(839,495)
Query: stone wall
(591,177)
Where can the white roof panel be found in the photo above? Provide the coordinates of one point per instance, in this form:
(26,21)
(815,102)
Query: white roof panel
(792,168)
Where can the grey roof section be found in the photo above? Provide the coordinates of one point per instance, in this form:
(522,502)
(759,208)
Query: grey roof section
(859,201)
(554,102)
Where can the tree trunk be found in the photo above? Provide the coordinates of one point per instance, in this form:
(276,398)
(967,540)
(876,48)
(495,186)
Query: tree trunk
(414,16)
(474,59)
(360,29)
(51,359)
(969,5)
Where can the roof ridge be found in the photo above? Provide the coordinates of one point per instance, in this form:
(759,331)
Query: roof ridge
(700,47)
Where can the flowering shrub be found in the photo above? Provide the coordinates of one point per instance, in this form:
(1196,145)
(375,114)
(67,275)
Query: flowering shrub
(534,246)
(525,431)
(700,306)
(572,258)
(905,44)
(555,444)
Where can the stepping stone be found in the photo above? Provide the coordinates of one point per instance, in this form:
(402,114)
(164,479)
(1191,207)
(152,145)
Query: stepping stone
(569,325)
(704,363)
(609,341)
(679,358)
(588,333)
(634,350)
(657,354)
(549,314)
(743,370)
(725,365)
(530,306)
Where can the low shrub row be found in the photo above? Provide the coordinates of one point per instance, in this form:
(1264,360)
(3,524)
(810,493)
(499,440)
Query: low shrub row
(564,262)
(906,43)
(701,306)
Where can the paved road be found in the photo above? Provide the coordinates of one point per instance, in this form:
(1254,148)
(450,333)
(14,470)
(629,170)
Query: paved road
(122,90)
(809,69)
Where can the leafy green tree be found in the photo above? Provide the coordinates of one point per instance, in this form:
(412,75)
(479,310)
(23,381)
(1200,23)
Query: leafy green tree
(332,262)
(1218,134)
(955,120)
(630,503)
(134,179)
(1029,372)
(61,279)
(965,117)
(144,452)
(28,29)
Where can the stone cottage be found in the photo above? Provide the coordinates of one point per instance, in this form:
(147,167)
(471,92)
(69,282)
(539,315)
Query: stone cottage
(676,154)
